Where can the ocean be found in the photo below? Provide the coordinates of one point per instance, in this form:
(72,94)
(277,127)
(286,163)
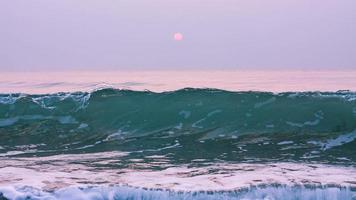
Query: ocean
(136,135)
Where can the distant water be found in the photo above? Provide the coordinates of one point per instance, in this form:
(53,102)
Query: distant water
(158,81)
(178,135)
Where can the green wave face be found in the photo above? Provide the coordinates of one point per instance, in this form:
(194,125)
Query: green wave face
(188,123)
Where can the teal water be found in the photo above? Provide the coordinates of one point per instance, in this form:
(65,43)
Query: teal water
(194,128)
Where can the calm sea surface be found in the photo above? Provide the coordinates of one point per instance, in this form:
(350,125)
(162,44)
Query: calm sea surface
(242,80)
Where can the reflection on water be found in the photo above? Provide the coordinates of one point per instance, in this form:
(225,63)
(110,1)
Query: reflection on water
(235,80)
(60,171)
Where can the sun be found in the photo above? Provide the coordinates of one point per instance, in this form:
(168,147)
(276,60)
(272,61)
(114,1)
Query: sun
(178,36)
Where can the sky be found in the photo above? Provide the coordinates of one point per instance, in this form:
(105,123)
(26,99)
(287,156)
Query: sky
(140,34)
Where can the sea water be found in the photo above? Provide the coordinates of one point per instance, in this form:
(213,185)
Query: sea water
(178,135)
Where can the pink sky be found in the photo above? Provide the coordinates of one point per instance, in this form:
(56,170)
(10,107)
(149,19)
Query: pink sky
(138,34)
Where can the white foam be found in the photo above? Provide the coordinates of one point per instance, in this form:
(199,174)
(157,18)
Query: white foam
(116,136)
(214,112)
(340,140)
(10,99)
(83,125)
(268,101)
(307,123)
(60,171)
(318,115)
(124,193)
(45,101)
(235,176)
(285,142)
(196,124)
